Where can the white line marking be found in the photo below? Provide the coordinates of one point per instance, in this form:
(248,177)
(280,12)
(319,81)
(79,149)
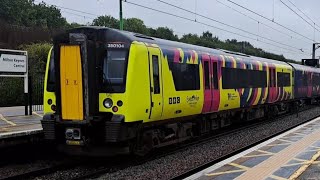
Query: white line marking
(7,121)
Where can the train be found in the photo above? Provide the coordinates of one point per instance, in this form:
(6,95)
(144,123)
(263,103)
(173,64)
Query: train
(111,92)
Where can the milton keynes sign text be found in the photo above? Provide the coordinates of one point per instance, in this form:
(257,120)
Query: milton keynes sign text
(12,62)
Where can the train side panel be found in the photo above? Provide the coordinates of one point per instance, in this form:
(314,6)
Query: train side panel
(243,84)
(182,83)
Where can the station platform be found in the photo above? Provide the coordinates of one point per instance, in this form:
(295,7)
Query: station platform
(294,154)
(17,128)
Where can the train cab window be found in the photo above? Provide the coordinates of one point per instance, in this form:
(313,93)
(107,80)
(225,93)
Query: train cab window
(51,74)
(156,79)
(114,70)
(215,75)
(206,75)
(283,79)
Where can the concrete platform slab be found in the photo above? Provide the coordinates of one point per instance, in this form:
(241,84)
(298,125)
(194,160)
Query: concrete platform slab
(16,128)
(291,155)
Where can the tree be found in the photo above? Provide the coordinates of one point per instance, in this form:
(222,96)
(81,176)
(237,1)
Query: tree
(107,21)
(26,13)
(165,33)
(135,25)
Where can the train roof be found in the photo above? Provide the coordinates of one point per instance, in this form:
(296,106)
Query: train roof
(131,36)
(305,68)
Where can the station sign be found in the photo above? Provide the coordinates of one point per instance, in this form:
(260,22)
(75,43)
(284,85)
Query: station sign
(13,62)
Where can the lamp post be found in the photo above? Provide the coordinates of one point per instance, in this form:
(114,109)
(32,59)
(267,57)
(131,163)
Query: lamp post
(315,46)
(121,19)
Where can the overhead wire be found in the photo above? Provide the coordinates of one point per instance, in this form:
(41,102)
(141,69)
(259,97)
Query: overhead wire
(303,13)
(299,15)
(225,24)
(271,20)
(75,10)
(284,33)
(199,22)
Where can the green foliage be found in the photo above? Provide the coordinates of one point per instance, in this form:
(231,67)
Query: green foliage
(26,13)
(164,33)
(37,56)
(12,89)
(107,21)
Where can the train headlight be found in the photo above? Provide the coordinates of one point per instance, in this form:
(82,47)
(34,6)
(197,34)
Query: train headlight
(107,103)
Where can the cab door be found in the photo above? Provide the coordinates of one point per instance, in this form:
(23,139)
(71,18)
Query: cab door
(155,81)
(71,82)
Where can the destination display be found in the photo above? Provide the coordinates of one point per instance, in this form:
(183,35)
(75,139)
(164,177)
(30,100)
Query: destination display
(13,63)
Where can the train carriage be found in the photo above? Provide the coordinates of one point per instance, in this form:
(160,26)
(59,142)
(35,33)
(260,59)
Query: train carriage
(126,92)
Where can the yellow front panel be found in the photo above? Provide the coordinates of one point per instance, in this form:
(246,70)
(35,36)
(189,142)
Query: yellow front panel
(71,83)
(48,95)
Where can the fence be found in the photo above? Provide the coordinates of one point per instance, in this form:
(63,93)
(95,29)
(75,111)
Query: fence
(36,84)
(12,92)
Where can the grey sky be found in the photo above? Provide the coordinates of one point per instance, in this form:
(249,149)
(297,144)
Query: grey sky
(215,10)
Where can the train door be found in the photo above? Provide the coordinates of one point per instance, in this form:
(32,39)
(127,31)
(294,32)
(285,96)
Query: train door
(215,84)
(156,89)
(71,82)
(272,85)
(207,83)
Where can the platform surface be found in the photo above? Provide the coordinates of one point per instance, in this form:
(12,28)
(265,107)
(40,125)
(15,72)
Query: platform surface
(292,155)
(14,123)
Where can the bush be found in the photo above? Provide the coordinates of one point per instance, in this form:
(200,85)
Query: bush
(37,54)
(12,89)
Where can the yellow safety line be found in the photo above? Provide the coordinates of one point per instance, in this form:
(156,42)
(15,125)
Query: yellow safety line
(304,167)
(285,140)
(301,134)
(7,121)
(35,113)
(277,177)
(239,166)
(225,172)
(305,162)
(256,155)
(298,159)
(278,144)
(266,152)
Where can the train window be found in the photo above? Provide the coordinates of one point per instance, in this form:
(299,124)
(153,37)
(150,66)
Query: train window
(274,77)
(270,78)
(233,78)
(305,79)
(283,79)
(315,79)
(156,79)
(51,74)
(215,75)
(114,70)
(206,75)
(185,76)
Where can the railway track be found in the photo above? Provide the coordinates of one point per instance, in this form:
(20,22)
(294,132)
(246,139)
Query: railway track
(176,148)
(97,168)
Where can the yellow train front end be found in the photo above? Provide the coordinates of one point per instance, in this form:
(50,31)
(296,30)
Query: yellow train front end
(85,97)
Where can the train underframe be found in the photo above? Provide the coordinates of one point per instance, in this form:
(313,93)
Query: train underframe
(99,137)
